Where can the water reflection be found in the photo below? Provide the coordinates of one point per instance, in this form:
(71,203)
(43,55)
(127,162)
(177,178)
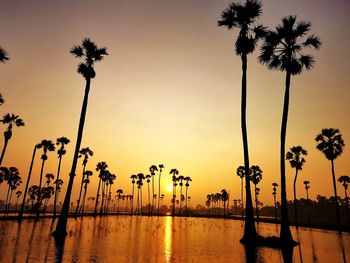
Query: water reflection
(168,238)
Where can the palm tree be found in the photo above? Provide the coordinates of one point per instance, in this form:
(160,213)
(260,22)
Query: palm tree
(282,50)
(174,172)
(224,197)
(10,120)
(62,141)
(243,17)
(18,195)
(2,101)
(110,181)
(296,160)
(84,152)
(161,167)
(345,181)
(47,145)
(180,179)
(153,169)
(148,180)
(119,194)
(101,167)
(331,143)
(133,178)
(188,180)
(90,54)
(307,187)
(274,193)
(86,181)
(140,177)
(256,177)
(12,177)
(3,55)
(240,173)
(21,211)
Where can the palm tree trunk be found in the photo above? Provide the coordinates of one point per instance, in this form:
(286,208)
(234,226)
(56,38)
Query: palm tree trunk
(274,200)
(39,189)
(61,226)
(141,200)
(285,234)
(249,226)
(132,200)
(335,194)
(160,173)
(138,202)
(3,150)
(58,177)
(7,196)
(186,201)
(295,198)
(9,202)
(21,211)
(242,197)
(103,197)
(81,189)
(152,194)
(180,199)
(149,201)
(83,203)
(97,196)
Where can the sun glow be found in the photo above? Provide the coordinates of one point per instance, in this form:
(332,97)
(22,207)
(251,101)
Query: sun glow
(169,188)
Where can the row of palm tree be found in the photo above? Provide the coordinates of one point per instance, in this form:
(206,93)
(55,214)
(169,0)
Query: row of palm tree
(213,201)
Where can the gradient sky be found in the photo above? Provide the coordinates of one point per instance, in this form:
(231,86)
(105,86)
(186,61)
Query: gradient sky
(169,92)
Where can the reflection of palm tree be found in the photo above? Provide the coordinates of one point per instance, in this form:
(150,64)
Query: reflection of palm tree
(255,177)
(331,143)
(10,120)
(275,185)
(296,160)
(21,211)
(133,178)
(3,55)
(240,173)
(101,167)
(47,145)
(62,141)
(282,50)
(161,167)
(243,17)
(84,152)
(90,54)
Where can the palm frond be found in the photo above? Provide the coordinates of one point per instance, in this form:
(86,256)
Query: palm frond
(77,51)
(3,55)
(307,61)
(313,41)
(302,28)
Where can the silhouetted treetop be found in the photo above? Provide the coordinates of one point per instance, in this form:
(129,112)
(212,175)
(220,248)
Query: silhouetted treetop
(3,55)
(330,142)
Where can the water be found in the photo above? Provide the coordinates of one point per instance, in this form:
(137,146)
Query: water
(159,239)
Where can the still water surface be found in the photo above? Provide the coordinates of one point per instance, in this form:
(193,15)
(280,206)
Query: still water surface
(159,239)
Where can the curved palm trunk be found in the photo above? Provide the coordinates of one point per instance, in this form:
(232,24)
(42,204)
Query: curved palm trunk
(132,200)
(56,190)
(242,197)
(186,200)
(249,226)
(61,226)
(39,189)
(3,150)
(295,198)
(160,173)
(81,189)
(285,234)
(335,194)
(149,201)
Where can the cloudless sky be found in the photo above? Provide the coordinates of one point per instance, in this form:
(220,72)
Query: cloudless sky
(169,92)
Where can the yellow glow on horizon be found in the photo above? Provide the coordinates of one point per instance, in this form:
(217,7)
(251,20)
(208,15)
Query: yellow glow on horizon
(169,188)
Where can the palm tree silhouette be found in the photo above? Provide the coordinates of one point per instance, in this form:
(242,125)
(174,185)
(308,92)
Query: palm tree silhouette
(133,178)
(153,169)
(240,173)
(148,180)
(307,187)
(101,167)
(243,17)
(174,172)
(46,145)
(188,180)
(282,50)
(2,101)
(84,152)
(3,55)
(62,141)
(296,160)
(110,181)
(86,181)
(13,179)
(331,143)
(274,193)
(18,195)
(140,177)
(224,197)
(119,194)
(161,167)
(10,120)
(90,54)
(21,211)
(256,177)
(180,180)
(345,181)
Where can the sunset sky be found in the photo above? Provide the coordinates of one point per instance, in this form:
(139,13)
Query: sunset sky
(169,91)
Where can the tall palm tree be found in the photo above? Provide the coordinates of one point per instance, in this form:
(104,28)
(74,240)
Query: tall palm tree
(21,211)
(10,120)
(90,54)
(180,180)
(101,167)
(86,181)
(282,50)
(3,55)
(307,187)
(83,153)
(148,180)
(240,172)
(256,177)
(153,169)
(243,17)
(345,181)
(188,180)
(133,180)
(140,177)
(161,167)
(224,198)
(274,193)
(13,179)
(62,141)
(331,143)
(18,195)
(46,145)
(174,172)
(119,194)
(296,160)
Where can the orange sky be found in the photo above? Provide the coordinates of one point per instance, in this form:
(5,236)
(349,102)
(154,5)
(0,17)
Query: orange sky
(169,92)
